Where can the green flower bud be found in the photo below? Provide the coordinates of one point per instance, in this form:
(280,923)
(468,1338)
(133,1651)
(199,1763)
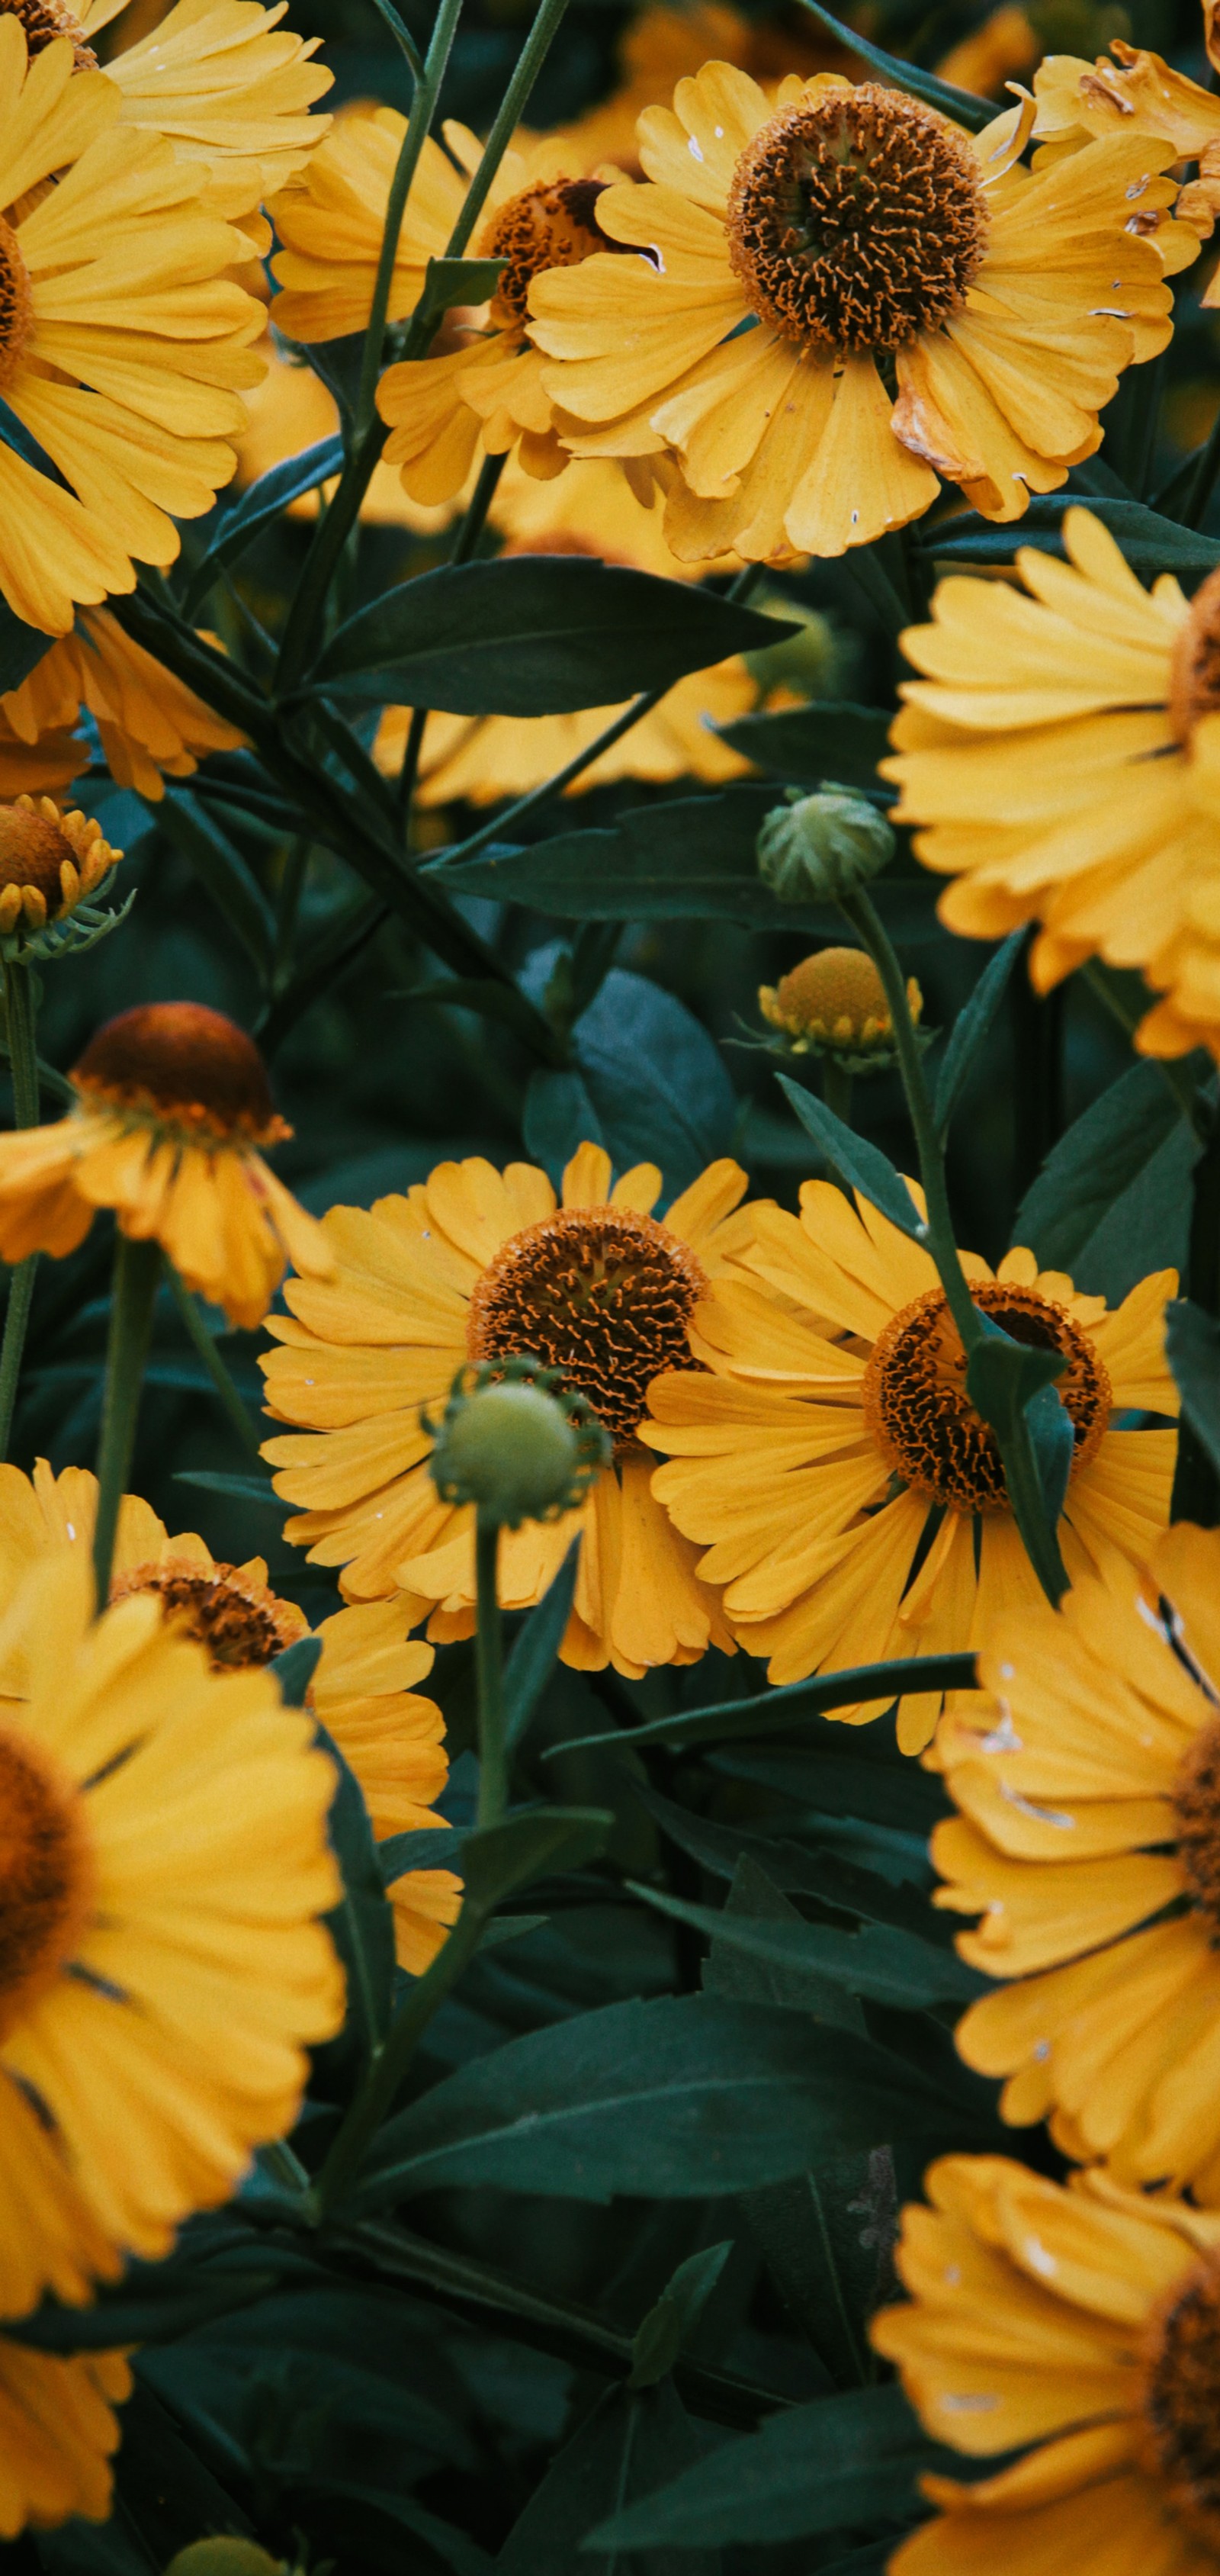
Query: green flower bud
(815,848)
(516,1443)
(225,2555)
(812,662)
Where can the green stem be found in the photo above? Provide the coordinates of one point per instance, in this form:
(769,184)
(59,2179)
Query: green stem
(288,906)
(1204,481)
(1196,1488)
(423,108)
(204,1342)
(137,1268)
(489,1667)
(468,535)
(511,109)
(388,2064)
(836,1088)
(23,1061)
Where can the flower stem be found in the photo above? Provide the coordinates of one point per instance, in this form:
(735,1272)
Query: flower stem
(489,1667)
(23,1060)
(389,2063)
(137,1269)
(467,538)
(423,107)
(204,1342)
(836,1089)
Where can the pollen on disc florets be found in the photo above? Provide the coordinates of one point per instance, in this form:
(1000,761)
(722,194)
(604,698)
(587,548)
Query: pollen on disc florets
(43,21)
(857,220)
(921,1417)
(46,1876)
(603,1295)
(551,225)
(184,1067)
(16,305)
(836,1001)
(1181,2403)
(1194,684)
(239,1621)
(1196,1808)
(49,861)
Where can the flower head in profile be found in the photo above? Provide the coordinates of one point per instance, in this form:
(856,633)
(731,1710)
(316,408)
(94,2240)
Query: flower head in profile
(833,1004)
(1087,1840)
(172,1105)
(1060,756)
(835,1471)
(1139,93)
(130,385)
(805,264)
(58,2435)
(483,1265)
(52,864)
(165,1865)
(152,727)
(1079,2328)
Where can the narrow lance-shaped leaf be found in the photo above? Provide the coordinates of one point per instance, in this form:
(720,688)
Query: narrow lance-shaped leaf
(860,1166)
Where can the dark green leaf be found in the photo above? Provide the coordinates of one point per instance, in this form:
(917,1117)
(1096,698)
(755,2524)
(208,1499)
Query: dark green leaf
(237,1489)
(491,1001)
(428,1847)
(1112,1200)
(809,744)
(627,2444)
(655,1078)
(536,1648)
(666,2328)
(259,507)
(907,1799)
(1151,544)
(154,2303)
(457,281)
(220,867)
(859,1165)
(558,1116)
(294,1668)
(772,1712)
(1192,1343)
(498,1859)
(970,1029)
(21,648)
(847,2459)
(882,1964)
(362,1924)
(961,104)
(1012,1384)
(15,435)
(531,635)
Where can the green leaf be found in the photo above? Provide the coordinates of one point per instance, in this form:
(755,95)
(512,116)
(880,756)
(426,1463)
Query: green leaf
(1151,544)
(362,1924)
(220,867)
(808,744)
(675,2099)
(15,435)
(558,1115)
(960,104)
(1192,1344)
(1014,1389)
(884,1965)
(773,1712)
(536,1648)
(847,2459)
(294,1668)
(531,635)
(492,1001)
(501,1858)
(259,507)
(154,2303)
(237,1489)
(1112,1200)
(859,1165)
(456,281)
(667,2327)
(628,2443)
(21,648)
(970,1029)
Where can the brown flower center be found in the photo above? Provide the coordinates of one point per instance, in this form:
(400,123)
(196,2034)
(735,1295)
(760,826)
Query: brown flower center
(43,21)
(921,1417)
(547,226)
(1182,2404)
(1196,1807)
(600,1293)
(16,305)
(186,1065)
(240,1622)
(46,1880)
(856,221)
(1194,681)
(33,850)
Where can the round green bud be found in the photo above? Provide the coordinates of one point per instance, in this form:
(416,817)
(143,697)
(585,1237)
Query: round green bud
(225,2555)
(811,662)
(812,849)
(511,1450)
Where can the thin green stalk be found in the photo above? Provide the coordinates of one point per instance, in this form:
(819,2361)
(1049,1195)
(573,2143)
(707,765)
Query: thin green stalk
(836,1088)
(468,535)
(133,1294)
(511,109)
(235,1411)
(1204,480)
(389,2063)
(423,108)
(402,36)
(23,1061)
(489,1668)
(288,906)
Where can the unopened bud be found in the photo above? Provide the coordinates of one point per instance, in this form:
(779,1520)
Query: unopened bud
(814,848)
(227,2554)
(516,1444)
(834,1004)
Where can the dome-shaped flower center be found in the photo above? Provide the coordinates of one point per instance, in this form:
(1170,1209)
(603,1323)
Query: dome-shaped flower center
(548,226)
(836,999)
(599,1293)
(43,20)
(16,305)
(856,221)
(1181,2407)
(240,1622)
(1196,1807)
(34,848)
(186,1065)
(921,1417)
(1194,682)
(46,1878)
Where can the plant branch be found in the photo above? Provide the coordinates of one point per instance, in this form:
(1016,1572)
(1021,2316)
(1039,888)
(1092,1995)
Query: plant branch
(19,1009)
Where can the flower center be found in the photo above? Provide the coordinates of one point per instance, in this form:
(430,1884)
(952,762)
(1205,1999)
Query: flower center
(921,1417)
(185,1065)
(835,999)
(599,1293)
(1196,1807)
(1194,682)
(856,221)
(43,21)
(46,1880)
(1182,2404)
(240,1623)
(33,848)
(548,226)
(16,305)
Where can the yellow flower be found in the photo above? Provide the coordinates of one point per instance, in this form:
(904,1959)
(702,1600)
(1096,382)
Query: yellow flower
(172,1104)
(992,54)
(834,1003)
(1082,2328)
(1088,1840)
(123,346)
(330,221)
(213,78)
(481,1265)
(162,1968)
(1009,305)
(836,1442)
(151,725)
(662,45)
(1062,752)
(486,394)
(484,758)
(57,2434)
(49,863)
(362,1691)
(1078,101)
